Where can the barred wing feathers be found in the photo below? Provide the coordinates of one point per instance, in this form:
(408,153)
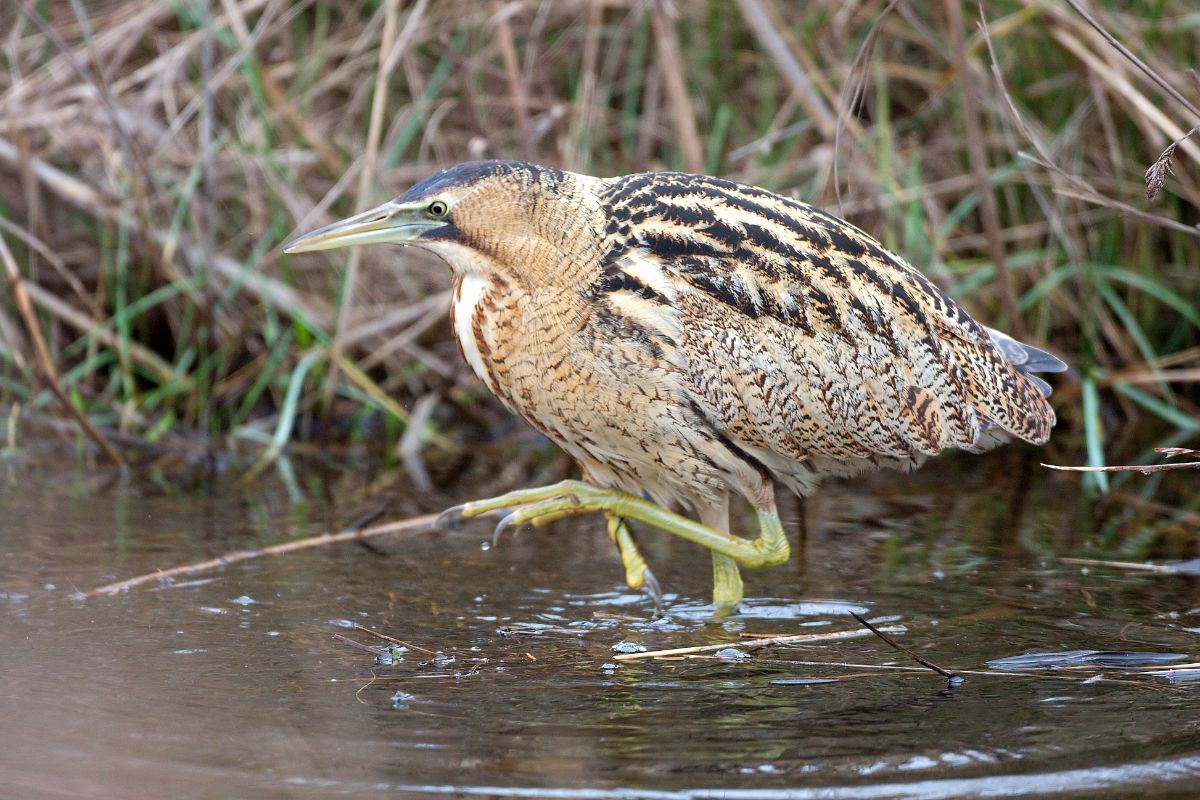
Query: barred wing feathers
(803,338)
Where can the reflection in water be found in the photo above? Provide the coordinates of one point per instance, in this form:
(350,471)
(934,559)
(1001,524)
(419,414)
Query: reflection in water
(233,684)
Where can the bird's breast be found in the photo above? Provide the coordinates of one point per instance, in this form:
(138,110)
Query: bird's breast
(466,315)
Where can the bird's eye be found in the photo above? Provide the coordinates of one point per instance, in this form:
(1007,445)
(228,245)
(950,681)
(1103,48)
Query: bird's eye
(438,208)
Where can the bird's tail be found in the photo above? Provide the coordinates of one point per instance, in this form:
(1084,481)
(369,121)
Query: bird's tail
(1027,358)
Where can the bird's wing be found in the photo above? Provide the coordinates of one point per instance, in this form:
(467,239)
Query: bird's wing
(803,336)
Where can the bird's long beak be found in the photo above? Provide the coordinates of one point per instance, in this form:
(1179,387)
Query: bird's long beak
(390,222)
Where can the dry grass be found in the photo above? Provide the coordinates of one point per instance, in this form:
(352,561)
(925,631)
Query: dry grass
(153,156)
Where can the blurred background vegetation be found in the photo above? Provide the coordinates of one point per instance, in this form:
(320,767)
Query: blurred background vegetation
(154,154)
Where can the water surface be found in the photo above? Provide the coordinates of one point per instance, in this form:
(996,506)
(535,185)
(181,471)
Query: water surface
(234,684)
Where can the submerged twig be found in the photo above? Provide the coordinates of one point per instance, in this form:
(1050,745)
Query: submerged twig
(394,640)
(421,524)
(1145,469)
(373,650)
(758,643)
(1066,673)
(924,662)
(1179,568)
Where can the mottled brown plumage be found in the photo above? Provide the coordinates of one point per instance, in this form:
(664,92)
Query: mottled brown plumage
(685,337)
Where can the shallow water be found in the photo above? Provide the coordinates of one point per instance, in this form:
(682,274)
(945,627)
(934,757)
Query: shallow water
(234,685)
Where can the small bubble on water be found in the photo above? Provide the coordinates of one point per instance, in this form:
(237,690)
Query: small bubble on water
(485,545)
(244,600)
(627,646)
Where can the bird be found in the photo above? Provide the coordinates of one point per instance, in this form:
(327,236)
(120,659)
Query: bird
(689,340)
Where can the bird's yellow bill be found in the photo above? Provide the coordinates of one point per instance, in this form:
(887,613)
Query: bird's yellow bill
(391,222)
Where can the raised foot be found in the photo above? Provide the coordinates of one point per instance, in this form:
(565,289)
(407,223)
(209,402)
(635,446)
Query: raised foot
(570,498)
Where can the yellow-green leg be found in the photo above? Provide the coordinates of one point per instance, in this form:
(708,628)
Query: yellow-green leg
(637,573)
(727,584)
(568,498)
(727,578)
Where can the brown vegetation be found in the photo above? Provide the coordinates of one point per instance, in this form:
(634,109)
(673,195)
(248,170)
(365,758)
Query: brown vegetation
(154,155)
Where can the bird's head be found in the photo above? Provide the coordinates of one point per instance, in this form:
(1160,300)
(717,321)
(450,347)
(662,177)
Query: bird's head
(480,216)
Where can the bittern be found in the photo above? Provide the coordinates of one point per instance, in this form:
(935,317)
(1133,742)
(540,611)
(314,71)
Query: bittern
(686,338)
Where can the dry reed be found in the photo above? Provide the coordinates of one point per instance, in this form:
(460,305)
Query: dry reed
(154,155)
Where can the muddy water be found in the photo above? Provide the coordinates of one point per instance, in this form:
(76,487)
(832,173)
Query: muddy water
(234,684)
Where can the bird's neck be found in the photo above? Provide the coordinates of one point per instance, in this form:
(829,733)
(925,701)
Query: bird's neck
(560,250)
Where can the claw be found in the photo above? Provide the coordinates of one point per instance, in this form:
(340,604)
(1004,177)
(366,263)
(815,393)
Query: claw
(451,517)
(509,521)
(650,586)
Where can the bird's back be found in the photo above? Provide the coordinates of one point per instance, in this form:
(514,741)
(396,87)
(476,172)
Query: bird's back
(801,337)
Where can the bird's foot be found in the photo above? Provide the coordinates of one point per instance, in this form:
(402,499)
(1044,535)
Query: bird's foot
(523,502)
(569,498)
